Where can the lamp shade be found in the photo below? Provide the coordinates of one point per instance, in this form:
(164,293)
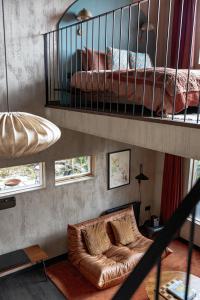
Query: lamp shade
(84,14)
(140,177)
(24,134)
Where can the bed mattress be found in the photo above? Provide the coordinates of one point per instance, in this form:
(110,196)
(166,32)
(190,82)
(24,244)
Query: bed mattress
(160,90)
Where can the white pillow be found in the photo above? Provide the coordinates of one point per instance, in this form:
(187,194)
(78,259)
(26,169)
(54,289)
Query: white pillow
(113,56)
(140,63)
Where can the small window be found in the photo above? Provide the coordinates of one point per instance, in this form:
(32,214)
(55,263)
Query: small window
(22,178)
(195,169)
(73,169)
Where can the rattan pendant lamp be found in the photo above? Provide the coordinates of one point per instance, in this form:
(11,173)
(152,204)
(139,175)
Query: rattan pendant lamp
(22,133)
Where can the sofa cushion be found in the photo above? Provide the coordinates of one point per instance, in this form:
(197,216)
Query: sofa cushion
(140,60)
(139,247)
(96,238)
(108,269)
(117,59)
(94,60)
(123,230)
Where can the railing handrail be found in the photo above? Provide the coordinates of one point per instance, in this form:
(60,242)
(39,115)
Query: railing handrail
(158,247)
(96,17)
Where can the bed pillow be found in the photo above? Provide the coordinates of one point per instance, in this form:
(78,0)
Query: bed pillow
(93,60)
(96,238)
(123,230)
(140,64)
(113,56)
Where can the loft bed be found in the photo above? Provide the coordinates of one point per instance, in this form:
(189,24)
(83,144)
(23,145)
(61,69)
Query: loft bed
(162,90)
(111,69)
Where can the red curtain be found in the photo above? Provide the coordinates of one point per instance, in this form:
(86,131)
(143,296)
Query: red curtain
(188,21)
(172,189)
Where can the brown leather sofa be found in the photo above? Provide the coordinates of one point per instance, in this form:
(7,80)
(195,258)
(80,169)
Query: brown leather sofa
(114,265)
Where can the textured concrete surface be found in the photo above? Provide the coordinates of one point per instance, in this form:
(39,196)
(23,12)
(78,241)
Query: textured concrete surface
(42,216)
(26,21)
(166,138)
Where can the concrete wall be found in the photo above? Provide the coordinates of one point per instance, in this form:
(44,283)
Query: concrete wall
(159,167)
(25,23)
(42,216)
(166,137)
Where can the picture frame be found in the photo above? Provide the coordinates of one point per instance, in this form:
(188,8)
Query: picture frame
(119,167)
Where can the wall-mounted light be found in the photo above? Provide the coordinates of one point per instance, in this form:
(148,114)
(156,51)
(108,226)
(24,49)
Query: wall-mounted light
(145,27)
(83,15)
(141,177)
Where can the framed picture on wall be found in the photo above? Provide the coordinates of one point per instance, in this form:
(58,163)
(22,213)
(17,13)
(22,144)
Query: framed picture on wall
(119,164)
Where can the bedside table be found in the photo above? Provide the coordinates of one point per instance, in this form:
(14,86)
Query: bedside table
(150,231)
(22,259)
(37,256)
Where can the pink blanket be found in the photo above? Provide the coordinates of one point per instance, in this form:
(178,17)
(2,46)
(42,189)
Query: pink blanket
(181,89)
(129,85)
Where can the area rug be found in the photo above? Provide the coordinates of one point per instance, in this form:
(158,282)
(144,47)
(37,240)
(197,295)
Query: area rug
(75,287)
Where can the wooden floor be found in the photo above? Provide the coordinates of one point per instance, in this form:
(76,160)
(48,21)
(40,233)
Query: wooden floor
(29,285)
(177,261)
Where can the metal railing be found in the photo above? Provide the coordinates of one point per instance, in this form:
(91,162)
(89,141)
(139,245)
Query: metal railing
(76,79)
(154,253)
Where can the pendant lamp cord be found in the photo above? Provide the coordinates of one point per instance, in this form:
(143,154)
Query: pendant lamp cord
(5,54)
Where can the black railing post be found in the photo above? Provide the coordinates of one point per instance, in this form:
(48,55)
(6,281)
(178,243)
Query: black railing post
(46,68)
(163,239)
(158,274)
(189,260)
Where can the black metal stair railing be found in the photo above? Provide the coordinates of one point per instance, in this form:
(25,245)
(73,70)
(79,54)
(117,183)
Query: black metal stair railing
(154,253)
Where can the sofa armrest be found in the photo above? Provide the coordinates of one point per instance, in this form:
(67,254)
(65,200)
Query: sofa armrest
(76,248)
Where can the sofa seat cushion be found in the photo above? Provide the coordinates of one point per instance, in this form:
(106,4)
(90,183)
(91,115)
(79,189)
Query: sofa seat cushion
(119,254)
(139,247)
(141,244)
(108,269)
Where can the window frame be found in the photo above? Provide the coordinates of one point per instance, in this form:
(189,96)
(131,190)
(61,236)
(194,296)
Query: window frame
(191,182)
(30,188)
(76,177)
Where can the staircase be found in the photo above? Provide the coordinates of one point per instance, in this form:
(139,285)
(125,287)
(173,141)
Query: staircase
(153,255)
